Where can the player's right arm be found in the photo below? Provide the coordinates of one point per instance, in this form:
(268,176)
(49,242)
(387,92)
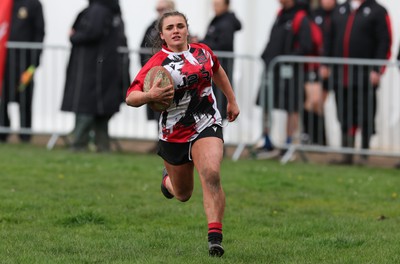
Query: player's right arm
(157,94)
(136,97)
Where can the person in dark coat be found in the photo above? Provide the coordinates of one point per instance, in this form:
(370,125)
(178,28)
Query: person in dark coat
(323,18)
(286,91)
(220,37)
(360,29)
(92,88)
(314,131)
(147,44)
(151,33)
(27,25)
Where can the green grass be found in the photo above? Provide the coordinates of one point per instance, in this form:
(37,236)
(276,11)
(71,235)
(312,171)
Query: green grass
(60,207)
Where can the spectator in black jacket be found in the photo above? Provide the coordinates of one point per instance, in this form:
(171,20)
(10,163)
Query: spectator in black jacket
(359,29)
(147,42)
(323,17)
(151,32)
(93,85)
(316,90)
(149,37)
(220,37)
(27,25)
(284,41)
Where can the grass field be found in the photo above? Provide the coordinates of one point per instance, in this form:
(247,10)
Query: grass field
(61,207)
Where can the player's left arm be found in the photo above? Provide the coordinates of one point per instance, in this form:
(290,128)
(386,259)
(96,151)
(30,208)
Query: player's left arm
(221,80)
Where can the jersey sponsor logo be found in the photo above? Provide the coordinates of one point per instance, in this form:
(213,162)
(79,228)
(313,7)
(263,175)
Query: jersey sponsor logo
(194,78)
(201,58)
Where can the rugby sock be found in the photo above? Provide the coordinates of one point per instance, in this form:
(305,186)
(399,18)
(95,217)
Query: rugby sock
(215,232)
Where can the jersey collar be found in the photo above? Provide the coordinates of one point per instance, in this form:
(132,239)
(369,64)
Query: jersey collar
(165,49)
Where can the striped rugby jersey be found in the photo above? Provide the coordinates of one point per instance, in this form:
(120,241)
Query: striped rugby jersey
(194,106)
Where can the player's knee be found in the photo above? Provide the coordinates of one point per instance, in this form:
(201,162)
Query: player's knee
(213,179)
(183,196)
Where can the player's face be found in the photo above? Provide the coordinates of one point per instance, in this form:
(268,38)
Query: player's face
(175,33)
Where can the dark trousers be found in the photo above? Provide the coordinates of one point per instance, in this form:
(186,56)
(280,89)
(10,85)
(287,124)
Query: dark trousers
(85,124)
(356,108)
(314,127)
(9,94)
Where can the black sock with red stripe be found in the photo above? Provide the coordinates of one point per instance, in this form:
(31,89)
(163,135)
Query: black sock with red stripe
(215,232)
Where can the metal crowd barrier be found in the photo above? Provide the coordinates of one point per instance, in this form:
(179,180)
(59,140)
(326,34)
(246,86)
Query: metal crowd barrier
(289,85)
(129,123)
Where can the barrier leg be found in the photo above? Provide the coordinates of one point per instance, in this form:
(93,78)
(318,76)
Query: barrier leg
(288,155)
(52,141)
(238,152)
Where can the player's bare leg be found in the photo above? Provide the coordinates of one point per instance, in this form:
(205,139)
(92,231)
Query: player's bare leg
(179,181)
(292,124)
(207,154)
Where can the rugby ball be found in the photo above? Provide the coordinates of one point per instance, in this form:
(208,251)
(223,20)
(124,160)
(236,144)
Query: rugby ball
(153,75)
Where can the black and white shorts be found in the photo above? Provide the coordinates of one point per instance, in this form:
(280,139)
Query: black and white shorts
(180,153)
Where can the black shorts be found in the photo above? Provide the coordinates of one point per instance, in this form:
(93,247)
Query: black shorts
(180,153)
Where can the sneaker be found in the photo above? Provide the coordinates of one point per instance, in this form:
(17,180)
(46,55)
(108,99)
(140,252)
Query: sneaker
(164,189)
(264,143)
(261,151)
(215,249)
